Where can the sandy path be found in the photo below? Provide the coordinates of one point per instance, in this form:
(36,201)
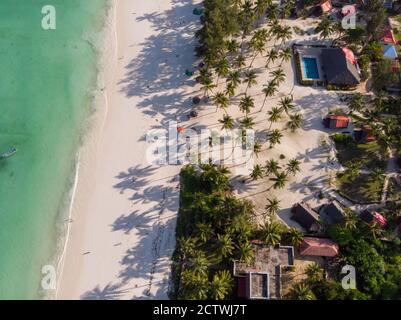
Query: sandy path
(122,233)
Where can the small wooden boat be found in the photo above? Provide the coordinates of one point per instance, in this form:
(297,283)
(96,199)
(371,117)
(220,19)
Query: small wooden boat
(10,152)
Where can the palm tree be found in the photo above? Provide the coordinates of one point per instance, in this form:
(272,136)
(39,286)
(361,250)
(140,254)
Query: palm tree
(295,122)
(257,44)
(261,7)
(246,252)
(221,285)
(257,148)
(285,34)
(275,137)
(269,90)
(271,232)
(285,55)
(227,122)
(225,244)
(257,172)
(280,180)
(250,79)
(271,57)
(247,122)
(272,167)
(301,291)
(246,104)
(376,230)
(314,272)
(274,115)
(222,69)
(278,76)
(351,221)
(187,247)
(230,90)
(232,46)
(325,27)
(273,206)
(199,263)
(293,166)
(208,87)
(240,62)
(356,102)
(234,77)
(287,104)
(221,101)
(195,285)
(295,237)
(205,231)
(353,169)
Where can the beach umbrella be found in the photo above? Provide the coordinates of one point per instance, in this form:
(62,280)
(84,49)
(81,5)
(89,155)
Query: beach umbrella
(197,11)
(193,114)
(196,100)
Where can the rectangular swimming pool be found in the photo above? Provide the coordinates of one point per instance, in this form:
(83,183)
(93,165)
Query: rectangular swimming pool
(310,68)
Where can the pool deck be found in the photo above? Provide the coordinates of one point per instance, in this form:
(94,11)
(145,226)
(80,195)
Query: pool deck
(308,52)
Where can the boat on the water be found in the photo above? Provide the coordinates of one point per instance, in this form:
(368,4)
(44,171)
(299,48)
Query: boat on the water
(10,152)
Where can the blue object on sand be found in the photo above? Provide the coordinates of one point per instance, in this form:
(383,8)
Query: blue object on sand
(197,11)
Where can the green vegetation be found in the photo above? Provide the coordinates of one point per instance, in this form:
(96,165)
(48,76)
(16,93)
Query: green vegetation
(370,155)
(377,263)
(213,228)
(363,188)
(394,190)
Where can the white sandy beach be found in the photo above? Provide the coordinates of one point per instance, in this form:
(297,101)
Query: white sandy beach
(122,233)
(122,230)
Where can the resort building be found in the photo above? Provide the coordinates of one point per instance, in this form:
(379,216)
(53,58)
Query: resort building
(340,67)
(332,213)
(318,247)
(371,217)
(261,279)
(336,122)
(326,65)
(364,134)
(306,217)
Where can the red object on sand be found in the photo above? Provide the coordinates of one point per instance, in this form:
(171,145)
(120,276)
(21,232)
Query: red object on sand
(380,219)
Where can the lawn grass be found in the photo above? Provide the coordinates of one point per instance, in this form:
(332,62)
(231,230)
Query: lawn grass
(370,155)
(366,188)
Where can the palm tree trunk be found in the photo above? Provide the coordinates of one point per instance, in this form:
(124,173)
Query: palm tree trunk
(263,105)
(253,60)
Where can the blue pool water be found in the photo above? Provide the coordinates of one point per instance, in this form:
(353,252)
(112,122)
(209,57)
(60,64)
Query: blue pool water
(310,68)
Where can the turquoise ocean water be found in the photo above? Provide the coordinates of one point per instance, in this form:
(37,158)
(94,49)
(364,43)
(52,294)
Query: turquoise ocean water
(46,79)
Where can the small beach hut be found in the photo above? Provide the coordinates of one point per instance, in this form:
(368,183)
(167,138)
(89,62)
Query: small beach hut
(324,7)
(306,217)
(336,122)
(318,247)
(340,67)
(334,213)
(364,135)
